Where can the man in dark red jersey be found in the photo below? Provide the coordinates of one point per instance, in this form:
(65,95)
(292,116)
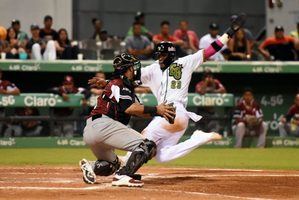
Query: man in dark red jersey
(289,124)
(248,119)
(106,128)
(6,88)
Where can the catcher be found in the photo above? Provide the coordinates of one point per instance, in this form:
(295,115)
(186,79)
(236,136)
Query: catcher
(248,119)
(106,128)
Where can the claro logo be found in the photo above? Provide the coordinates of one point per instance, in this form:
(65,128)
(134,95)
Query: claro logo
(207,101)
(40,101)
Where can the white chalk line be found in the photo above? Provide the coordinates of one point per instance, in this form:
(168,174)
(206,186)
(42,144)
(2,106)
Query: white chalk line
(203,193)
(100,187)
(154,176)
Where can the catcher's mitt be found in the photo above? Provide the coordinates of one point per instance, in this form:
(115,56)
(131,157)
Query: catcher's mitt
(252,121)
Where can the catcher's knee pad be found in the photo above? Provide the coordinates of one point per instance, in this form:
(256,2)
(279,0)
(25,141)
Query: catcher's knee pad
(143,153)
(105,168)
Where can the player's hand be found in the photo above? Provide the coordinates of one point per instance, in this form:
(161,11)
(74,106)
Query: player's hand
(65,97)
(167,111)
(97,82)
(283,120)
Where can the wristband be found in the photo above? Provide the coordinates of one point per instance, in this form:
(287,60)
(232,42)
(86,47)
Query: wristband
(150,110)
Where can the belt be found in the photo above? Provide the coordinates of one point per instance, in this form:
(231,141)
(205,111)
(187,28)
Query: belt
(94,117)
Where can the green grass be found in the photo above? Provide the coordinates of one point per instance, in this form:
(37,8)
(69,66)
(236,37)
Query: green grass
(275,158)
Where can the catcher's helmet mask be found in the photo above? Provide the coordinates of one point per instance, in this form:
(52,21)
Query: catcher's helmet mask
(166,49)
(123,62)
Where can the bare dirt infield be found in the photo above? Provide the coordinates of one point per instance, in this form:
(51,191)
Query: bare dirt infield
(57,182)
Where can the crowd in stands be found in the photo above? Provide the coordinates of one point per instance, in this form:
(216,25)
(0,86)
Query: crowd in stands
(48,44)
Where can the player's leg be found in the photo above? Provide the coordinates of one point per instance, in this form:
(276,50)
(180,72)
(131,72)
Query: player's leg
(283,129)
(262,135)
(171,152)
(116,135)
(167,138)
(240,131)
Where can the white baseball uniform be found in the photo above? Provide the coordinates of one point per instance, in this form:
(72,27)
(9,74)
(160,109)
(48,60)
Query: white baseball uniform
(171,85)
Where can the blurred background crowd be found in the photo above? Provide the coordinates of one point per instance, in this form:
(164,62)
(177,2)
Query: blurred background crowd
(43,42)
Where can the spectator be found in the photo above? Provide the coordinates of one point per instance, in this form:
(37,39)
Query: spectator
(207,39)
(38,48)
(209,85)
(95,90)
(64,47)
(13,45)
(248,120)
(279,47)
(248,34)
(20,35)
(289,124)
(25,128)
(164,35)
(138,45)
(6,88)
(140,18)
(106,41)
(295,33)
(239,46)
(47,33)
(97,25)
(65,128)
(189,37)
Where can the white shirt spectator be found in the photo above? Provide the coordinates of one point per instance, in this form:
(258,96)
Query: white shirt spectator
(206,41)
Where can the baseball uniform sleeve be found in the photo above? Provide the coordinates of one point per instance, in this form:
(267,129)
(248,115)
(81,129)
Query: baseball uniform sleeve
(192,61)
(146,75)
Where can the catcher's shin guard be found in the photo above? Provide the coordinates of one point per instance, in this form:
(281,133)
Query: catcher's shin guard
(105,168)
(143,153)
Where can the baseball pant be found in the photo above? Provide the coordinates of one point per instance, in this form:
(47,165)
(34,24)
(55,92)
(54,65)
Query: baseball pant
(286,129)
(241,130)
(104,134)
(168,147)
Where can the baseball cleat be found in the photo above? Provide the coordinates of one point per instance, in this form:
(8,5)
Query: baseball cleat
(89,176)
(213,135)
(126,181)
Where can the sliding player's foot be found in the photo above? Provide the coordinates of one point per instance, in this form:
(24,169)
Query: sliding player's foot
(213,135)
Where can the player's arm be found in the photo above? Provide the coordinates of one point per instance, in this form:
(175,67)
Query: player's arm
(97,82)
(164,110)
(222,40)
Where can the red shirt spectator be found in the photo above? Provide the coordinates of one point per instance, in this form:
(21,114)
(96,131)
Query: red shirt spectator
(189,37)
(209,85)
(165,36)
(6,87)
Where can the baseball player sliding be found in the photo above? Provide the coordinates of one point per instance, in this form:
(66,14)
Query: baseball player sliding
(169,80)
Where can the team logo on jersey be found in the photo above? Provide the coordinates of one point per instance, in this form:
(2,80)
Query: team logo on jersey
(175,70)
